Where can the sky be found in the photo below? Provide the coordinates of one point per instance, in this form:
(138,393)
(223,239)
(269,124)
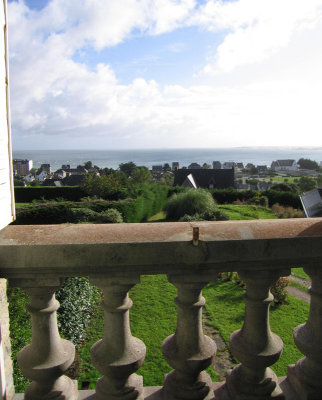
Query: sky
(122,74)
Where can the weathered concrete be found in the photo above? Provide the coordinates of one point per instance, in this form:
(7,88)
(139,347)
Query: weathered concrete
(118,355)
(114,256)
(305,375)
(7,388)
(82,250)
(188,351)
(47,357)
(255,345)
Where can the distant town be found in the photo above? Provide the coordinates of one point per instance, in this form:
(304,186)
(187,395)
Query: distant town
(218,175)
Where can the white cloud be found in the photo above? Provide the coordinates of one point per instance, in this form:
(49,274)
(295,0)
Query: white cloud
(256,28)
(264,85)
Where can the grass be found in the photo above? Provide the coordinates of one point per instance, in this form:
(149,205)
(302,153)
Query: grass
(246,212)
(159,217)
(226,308)
(234,211)
(299,273)
(22,205)
(153,318)
(298,285)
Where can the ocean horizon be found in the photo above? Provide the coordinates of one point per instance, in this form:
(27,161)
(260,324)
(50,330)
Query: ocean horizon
(148,157)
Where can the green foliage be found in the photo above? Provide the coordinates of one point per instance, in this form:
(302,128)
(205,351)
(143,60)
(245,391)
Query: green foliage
(299,272)
(111,216)
(166,167)
(286,212)
(191,218)
(141,175)
(149,200)
(28,194)
(39,214)
(20,332)
(127,168)
(259,200)
(192,202)
(307,183)
(246,212)
(229,196)
(319,180)
(109,186)
(76,215)
(279,290)
(76,298)
(224,296)
(306,163)
(283,187)
(214,215)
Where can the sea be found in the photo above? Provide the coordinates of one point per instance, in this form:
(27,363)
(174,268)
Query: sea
(149,157)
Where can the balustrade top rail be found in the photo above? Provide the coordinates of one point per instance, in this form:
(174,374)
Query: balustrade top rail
(152,248)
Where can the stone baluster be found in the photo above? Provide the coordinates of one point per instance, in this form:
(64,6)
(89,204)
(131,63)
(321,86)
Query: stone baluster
(188,351)
(47,357)
(255,346)
(306,375)
(118,355)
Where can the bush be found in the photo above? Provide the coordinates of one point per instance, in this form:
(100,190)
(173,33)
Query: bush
(215,215)
(278,290)
(29,193)
(81,215)
(229,196)
(258,200)
(191,218)
(286,212)
(111,216)
(76,298)
(192,202)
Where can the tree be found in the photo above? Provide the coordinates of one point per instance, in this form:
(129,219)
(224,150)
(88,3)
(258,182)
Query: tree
(253,170)
(206,166)
(128,168)
(88,165)
(319,180)
(166,167)
(106,186)
(141,175)
(166,179)
(306,163)
(306,183)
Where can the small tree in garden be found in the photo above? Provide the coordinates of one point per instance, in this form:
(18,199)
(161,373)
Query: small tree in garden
(278,290)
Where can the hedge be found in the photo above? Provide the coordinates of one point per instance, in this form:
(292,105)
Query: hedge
(30,193)
(149,202)
(77,298)
(228,196)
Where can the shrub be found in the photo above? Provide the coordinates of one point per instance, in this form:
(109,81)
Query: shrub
(192,202)
(81,215)
(286,212)
(215,215)
(29,193)
(76,298)
(278,290)
(111,216)
(191,218)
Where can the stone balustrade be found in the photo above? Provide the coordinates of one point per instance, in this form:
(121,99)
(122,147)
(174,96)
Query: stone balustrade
(37,258)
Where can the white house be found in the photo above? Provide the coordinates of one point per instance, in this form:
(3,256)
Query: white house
(284,165)
(29,178)
(42,176)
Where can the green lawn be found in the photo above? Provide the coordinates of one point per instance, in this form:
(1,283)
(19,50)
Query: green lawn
(154,314)
(234,211)
(246,212)
(299,272)
(226,307)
